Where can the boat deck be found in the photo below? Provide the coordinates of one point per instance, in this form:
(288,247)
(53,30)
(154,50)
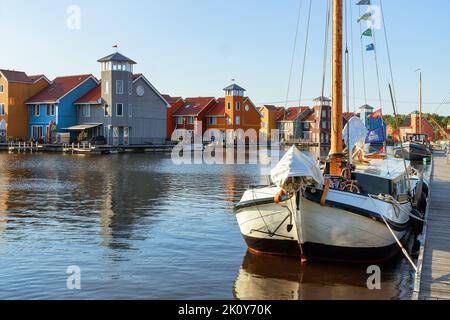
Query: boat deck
(433,276)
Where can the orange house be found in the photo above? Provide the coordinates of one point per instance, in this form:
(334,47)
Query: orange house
(234,112)
(174,104)
(15,88)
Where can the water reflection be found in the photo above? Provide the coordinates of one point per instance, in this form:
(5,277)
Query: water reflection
(278,278)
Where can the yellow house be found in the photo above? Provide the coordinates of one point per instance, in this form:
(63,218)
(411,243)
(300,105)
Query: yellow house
(270,115)
(16,87)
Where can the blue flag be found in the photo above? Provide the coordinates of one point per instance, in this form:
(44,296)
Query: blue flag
(370,47)
(376,136)
(364,3)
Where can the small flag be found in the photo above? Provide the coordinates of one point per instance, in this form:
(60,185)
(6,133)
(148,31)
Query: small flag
(367,33)
(376,136)
(364,3)
(115,46)
(370,47)
(376,115)
(366,16)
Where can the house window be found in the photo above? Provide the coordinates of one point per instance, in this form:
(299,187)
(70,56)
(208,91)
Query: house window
(119,86)
(126,135)
(86,110)
(229,121)
(1,88)
(191,120)
(119,109)
(130,88)
(238,106)
(36,110)
(106,87)
(306,125)
(238,120)
(2,109)
(247,107)
(107,111)
(130,110)
(213,120)
(50,110)
(229,105)
(36,132)
(180,120)
(324,114)
(324,125)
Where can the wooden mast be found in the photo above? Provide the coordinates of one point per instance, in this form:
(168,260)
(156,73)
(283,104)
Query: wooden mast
(336,155)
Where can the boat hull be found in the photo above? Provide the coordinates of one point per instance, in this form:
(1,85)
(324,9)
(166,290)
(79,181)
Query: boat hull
(414,151)
(336,231)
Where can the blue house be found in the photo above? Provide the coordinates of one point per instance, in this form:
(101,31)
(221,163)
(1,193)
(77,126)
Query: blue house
(55,104)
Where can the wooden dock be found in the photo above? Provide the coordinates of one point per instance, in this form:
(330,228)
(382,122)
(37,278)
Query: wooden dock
(433,276)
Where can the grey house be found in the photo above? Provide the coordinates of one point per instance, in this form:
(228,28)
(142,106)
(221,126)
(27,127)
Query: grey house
(124,108)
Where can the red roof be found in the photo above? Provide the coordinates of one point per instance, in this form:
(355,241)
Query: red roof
(15,76)
(92,96)
(58,88)
(137,75)
(194,106)
(292,113)
(171,100)
(218,110)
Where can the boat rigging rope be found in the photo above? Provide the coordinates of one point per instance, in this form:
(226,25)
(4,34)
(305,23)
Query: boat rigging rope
(293,53)
(404,251)
(304,63)
(304,54)
(353,58)
(324,69)
(362,59)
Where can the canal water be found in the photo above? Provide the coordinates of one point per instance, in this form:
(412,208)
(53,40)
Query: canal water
(140,227)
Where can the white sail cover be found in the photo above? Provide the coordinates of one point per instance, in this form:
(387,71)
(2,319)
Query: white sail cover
(358,132)
(296,164)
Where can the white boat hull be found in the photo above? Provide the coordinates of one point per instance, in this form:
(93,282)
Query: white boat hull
(348,228)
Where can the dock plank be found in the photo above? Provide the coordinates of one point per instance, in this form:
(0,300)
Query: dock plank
(435,265)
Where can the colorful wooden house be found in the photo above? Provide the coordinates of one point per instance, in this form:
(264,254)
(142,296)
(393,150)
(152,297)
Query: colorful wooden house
(270,114)
(55,105)
(16,88)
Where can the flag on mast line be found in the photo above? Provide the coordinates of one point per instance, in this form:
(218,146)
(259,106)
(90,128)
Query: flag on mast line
(376,115)
(364,3)
(366,16)
(367,33)
(376,136)
(370,47)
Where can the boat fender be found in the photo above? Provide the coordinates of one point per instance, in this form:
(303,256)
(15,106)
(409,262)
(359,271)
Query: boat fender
(279,196)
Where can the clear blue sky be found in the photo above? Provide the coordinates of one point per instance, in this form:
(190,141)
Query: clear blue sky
(194,47)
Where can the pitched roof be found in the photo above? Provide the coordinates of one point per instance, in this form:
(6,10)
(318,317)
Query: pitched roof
(92,97)
(59,88)
(116,57)
(171,100)
(324,99)
(194,106)
(348,115)
(218,110)
(310,117)
(234,86)
(15,76)
(272,108)
(366,106)
(292,113)
(37,77)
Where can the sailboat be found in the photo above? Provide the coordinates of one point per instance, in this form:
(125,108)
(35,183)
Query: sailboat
(357,211)
(416,147)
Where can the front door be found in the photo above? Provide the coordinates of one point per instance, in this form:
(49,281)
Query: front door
(126,136)
(115,136)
